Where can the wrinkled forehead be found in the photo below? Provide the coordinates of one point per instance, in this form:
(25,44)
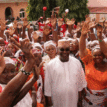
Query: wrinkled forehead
(50,46)
(96,51)
(93,43)
(64,46)
(1,40)
(10,45)
(74,41)
(9,65)
(36,51)
(37,47)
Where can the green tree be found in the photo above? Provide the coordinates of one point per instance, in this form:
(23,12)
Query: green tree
(77,8)
(35,8)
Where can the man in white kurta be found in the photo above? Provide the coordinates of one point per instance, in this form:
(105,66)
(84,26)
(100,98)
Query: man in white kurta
(63,81)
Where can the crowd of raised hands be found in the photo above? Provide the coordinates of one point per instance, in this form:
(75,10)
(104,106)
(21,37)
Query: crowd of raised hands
(16,38)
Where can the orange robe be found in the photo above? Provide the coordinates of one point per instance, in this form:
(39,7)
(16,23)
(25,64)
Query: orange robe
(39,105)
(35,84)
(96,80)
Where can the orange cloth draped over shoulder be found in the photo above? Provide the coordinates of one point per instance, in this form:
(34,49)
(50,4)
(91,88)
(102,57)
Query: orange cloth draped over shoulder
(35,84)
(96,80)
(42,74)
(39,105)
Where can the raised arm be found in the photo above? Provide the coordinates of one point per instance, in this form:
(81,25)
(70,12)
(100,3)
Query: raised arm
(2,62)
(19,28)
(14,86)
(91,33)
(102,43)
(70,25)
(46,32)
(3,27)
(54,27)
(27,86)
(11,31)
(25,23)
(82,43)
(15,27)
(29,32)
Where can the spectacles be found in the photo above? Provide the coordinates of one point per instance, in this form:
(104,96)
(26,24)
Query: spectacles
(66,49)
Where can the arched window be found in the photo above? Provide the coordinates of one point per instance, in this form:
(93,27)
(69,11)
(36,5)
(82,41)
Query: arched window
(22,13)
(8,13)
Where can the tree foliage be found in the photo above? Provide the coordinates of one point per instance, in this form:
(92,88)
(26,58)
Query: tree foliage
(77,8)
(35,8)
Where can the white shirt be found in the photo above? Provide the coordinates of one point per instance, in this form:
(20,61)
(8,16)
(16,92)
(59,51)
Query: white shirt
(39,92)
(63,81)
(45,59)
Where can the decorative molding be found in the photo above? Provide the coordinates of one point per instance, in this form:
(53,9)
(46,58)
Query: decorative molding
(101,10)
(12,1)
(17,3)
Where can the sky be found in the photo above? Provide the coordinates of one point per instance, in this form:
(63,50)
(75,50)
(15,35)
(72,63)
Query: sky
(97,3)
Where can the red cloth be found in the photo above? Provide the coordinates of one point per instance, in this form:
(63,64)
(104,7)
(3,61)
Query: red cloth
(17,38)
(63,28)
(0,89)
(6,43)
(49,25)
(75,26)
(41,26)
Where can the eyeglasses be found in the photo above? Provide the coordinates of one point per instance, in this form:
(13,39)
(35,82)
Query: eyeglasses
(66,49)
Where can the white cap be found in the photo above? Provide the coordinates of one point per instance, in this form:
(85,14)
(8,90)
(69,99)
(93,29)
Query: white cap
(48,43)
(8,60)
(35,45)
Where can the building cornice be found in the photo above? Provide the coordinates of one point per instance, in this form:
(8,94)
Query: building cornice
(98,10)
(12,1)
